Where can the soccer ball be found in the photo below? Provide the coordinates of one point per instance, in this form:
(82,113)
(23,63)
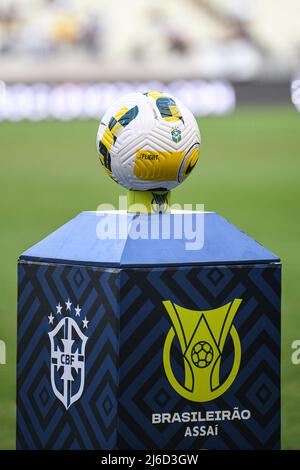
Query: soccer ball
(148,141)
(202,354)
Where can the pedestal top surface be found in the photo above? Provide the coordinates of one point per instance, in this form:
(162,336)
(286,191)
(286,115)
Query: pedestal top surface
(118,239)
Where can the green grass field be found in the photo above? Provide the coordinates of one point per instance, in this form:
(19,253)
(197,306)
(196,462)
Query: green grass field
(249,172)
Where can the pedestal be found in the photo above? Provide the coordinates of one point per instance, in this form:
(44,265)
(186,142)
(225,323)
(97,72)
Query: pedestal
(135,343)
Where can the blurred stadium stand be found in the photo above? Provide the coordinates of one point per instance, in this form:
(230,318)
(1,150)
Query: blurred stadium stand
(101,39)
(94,41)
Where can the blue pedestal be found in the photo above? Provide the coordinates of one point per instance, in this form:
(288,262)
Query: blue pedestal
(131,343)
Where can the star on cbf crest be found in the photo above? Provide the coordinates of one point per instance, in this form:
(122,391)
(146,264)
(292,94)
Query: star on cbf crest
(67,358)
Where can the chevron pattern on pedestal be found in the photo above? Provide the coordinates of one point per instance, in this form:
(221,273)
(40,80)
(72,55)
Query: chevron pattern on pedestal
(43,422)
(144,388)
(123,318)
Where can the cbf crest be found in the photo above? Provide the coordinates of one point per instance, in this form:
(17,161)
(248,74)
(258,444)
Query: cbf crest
(176,135)
(67,353)
(202,336)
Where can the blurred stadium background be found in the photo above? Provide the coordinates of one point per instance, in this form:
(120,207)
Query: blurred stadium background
(235,63)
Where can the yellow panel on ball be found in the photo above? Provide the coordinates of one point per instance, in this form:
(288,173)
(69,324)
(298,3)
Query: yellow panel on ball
(157,166)
(191,162)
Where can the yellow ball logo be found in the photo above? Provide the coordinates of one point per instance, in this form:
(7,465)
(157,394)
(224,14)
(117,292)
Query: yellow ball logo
(202,336)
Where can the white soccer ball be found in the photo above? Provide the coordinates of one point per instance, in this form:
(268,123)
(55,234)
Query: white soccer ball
(148,141)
